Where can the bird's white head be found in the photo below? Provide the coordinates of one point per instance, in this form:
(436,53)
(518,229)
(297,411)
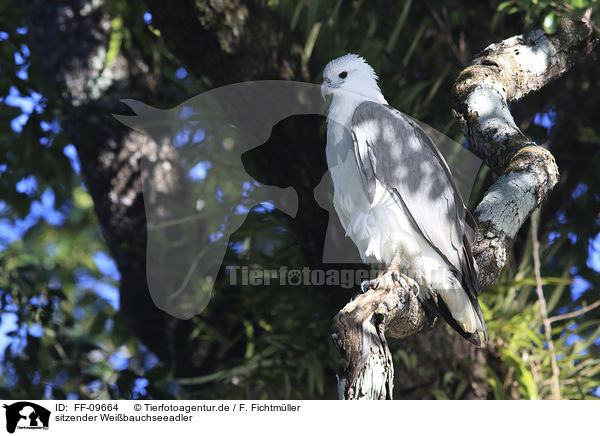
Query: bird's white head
(349,76)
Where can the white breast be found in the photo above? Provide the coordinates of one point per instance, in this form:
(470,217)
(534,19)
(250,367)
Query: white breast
(380,229)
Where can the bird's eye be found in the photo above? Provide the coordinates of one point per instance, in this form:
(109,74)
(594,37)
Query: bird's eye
(343,75)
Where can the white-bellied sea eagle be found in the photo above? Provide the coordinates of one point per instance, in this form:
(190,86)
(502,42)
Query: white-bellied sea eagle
(396,198)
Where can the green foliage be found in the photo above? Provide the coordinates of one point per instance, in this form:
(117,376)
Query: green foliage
(67,338)
(65,333)
(545,13)
(518,341)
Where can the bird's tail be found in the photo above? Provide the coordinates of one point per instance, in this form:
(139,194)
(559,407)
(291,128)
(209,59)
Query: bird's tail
(435,303)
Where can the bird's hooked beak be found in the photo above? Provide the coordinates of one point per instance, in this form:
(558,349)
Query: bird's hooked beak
(325,88)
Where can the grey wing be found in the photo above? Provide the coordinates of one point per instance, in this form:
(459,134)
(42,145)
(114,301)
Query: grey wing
(391,148)
(464,163)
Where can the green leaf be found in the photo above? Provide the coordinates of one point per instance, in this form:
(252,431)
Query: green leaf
(249,339)
(82,199)
(460,390)
(588,135)
(551,22)
(310,42)
(447,378)
(530,281)
(413,46)
(580,4)
(559,289)
(409,360)
(502,6)
(115,40)
(527,385)
(296,16)
(398,27)
(439,395)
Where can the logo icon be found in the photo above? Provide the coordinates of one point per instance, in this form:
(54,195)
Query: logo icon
(26,415)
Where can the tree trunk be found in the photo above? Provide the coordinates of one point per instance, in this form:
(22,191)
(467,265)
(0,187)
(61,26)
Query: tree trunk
(72,37)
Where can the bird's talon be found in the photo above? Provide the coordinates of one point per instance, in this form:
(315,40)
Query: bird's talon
(418,289)
(364,286)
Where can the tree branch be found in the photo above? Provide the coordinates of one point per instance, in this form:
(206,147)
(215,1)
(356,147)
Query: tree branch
(574,314)
(502,73)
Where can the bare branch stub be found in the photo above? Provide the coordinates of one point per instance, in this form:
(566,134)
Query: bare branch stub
(502,73)
(359,329)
